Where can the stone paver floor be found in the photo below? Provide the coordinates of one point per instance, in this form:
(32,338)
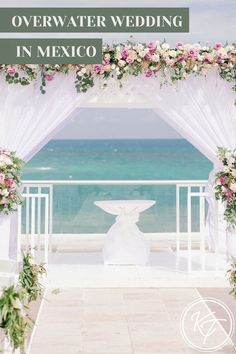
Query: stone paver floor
(114,321)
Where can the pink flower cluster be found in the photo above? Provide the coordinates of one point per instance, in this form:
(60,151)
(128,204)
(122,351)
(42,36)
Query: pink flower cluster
(10,166)
(127,59)
(225,189)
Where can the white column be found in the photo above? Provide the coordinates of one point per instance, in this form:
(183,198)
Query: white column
(5,230)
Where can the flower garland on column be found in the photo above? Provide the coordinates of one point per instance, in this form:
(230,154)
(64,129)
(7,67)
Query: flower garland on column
(10,171)
(226,184)
(133,59)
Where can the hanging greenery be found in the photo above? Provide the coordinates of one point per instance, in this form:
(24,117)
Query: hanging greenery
(132,59)
(29,277)
(232,278)
(14,319)
(14,302)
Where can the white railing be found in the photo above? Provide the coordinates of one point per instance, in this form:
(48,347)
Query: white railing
(189,184)
(36,216)
(39,190)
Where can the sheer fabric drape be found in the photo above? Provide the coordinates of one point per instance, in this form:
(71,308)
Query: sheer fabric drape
(202,110)
(28,119)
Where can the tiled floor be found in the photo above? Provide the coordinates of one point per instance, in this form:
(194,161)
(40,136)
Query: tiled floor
(114,321)
(86,269)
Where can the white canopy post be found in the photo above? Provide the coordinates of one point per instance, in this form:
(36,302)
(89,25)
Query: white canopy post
(28,120)
(202,110)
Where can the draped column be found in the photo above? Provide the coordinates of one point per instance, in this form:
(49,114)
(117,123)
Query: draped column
(202,110)
(28,120)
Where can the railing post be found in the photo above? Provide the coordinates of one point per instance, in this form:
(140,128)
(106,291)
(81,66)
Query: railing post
(46,230)
(51,190)
(32,234)
(19,234)
(202,227)
(39,220)
(189,221)
(177,219)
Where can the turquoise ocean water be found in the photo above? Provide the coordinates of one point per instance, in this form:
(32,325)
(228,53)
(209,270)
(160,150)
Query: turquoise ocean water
(74,211)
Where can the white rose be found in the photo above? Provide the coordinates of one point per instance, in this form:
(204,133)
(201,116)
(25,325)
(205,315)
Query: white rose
(233,187)
(121,63)
(6,159)
(139,47)
(197,46)
(172,53)
(165,46)
(226,169)
(233,173)
(4,193)
(31,261)
(155,57)
(118,55)
(231,161)
(83,71)
(143,53)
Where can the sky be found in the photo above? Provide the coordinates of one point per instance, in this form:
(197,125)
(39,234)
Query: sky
(210,21)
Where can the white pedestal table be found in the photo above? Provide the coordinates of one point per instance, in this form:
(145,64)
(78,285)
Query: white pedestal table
(125,243)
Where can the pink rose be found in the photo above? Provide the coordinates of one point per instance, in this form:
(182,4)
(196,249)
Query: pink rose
(148,57)
(150,45)
(222,180)
(148,73)
(192,52)
(179,45)
(129,60)
(151,48)
(124,53)
(97,68)
(217,46)
(229,195)
(180,58)
(11,71)
(48,77)
(106,59)
(9,182)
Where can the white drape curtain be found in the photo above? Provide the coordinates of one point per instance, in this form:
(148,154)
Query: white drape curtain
(202,110)
(28,119)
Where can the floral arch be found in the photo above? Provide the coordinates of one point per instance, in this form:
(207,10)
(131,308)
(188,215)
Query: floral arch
(190,86)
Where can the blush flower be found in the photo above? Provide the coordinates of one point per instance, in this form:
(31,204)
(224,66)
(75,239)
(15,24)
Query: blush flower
(124,53)
(179,45)
(148,73)
(218,46)
(97,68)
(222,180)
(229,195)
(192,52)
(48,77)
(9,182)
(11,71)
